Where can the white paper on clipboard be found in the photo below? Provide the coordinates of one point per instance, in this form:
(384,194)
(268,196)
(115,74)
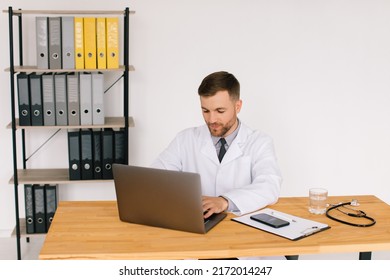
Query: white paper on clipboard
(297,229)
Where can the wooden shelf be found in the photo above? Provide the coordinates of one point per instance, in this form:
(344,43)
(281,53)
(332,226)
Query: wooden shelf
(33,68)
(110,122)
(48,176)
(68,12)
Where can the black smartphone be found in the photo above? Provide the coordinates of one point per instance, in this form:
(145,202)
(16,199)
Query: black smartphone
(270,220)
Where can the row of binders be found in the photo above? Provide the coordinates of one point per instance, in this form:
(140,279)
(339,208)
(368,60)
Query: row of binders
(77,42)
(60,99)
(92,153)
(41,204)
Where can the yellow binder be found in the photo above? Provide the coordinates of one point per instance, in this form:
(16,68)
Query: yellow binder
(101,43)
(90,43)
(79,42)
(112,32)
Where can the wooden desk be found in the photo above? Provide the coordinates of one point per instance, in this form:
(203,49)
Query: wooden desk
(92,230)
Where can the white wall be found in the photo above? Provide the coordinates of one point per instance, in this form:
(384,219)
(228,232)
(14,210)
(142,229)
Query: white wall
(314,75)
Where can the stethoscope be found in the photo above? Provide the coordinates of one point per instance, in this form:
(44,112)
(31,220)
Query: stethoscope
(357,214)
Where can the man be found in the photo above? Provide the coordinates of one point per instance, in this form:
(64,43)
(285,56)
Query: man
(247,176)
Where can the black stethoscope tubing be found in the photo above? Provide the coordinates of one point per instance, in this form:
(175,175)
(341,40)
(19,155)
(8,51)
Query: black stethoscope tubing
(360,214)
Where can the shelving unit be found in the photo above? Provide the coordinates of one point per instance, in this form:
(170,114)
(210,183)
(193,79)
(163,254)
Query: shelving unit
(25,175)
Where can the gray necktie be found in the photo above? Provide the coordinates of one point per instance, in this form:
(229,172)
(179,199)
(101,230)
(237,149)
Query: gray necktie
(222,150)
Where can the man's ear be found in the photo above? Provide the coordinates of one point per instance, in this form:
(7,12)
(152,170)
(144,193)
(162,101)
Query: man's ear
(238,106)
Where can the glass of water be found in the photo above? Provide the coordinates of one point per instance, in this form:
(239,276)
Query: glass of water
(318,200)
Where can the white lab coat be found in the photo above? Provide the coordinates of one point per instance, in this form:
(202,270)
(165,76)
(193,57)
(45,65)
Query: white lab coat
(248,175)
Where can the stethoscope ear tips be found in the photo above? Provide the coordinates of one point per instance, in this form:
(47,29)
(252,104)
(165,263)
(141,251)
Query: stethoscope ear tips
(355,202)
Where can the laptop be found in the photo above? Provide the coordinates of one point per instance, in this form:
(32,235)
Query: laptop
(161,198)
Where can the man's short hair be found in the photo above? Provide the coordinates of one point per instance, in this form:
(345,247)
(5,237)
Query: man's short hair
(220,81)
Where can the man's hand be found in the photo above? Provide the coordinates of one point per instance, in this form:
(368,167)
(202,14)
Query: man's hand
(213,205)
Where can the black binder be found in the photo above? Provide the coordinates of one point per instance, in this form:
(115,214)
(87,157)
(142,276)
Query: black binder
(36,99)
(24,99)
(74,155)
(107,153)
(119,147)
(86,155)
(29,204)
(97,154)
(51,204)
(39,206)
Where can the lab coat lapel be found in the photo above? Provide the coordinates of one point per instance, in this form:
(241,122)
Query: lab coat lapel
(232,153)
(207,147)
(235,150)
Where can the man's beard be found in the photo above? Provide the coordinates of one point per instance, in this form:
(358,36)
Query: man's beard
(222,131)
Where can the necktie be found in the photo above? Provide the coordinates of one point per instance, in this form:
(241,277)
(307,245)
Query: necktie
(222,150)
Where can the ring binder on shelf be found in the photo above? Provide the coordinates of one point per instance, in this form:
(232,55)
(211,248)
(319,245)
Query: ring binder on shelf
(86,155)
(49,110)
(24,99)
(79,42)
(68,59)
(107,153)
(61,104)
(42,42)
(73,99)
(55,52)
(36,99)
(50,204)
(101,43)
(39,209)
(74,155)
(29,204)
(97,154)
(112,43)
(85,98)
(98,98)
(89,43)
(119,146)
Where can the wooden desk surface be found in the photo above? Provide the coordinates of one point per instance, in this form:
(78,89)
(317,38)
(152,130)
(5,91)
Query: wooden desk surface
(92,230)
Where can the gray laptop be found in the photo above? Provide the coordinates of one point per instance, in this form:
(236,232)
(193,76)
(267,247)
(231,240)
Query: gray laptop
(161,198)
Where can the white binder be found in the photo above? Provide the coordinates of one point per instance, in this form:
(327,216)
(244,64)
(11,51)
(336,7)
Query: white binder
(85,99)
(42,42)
(97,98)
(68,60)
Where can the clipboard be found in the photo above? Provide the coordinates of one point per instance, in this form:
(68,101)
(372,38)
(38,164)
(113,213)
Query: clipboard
(297,229)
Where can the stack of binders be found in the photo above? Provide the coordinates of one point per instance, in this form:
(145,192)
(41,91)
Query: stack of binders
(77,42)
(61,99)
(92,153)
(41,204)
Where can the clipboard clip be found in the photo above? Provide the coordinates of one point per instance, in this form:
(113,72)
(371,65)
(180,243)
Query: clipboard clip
(310,231)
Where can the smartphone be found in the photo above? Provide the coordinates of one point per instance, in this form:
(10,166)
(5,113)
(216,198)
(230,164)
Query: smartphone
(270,220)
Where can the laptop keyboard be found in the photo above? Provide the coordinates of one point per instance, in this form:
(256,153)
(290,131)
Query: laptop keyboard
(206,220)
